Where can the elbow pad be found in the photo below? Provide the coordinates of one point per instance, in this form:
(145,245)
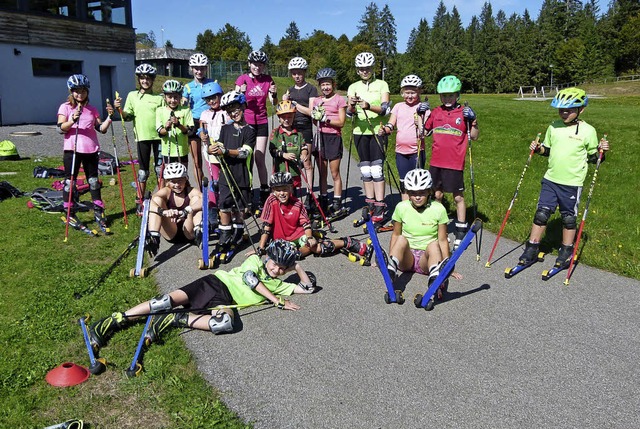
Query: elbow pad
(59,129)
(250,279)
(385,108)
(547,152)
(243,152)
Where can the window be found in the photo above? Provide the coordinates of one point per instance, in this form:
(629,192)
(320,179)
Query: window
(55,68)
(109,11)
(54,7)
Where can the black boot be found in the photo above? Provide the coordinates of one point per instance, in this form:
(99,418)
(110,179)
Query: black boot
(101,219)
(530,253)
(103,329)
(564,255)
(461,231)
(162,322)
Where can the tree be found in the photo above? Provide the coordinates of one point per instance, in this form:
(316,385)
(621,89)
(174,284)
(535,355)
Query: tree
(268,47)
(292,33)
(146,40)
(168,44)
(368,29)
(229,44)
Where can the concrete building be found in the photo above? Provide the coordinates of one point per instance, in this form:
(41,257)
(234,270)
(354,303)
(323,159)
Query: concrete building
(43,42)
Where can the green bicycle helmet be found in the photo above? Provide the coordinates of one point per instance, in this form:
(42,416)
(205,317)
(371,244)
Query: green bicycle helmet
(449,85)
(570,97)
(171,87)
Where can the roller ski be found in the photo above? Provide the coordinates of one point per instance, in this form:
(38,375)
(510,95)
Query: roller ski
(439,274)
(138,270)
(333,217)
(358,257)
(97,365)
(391,295)
(75,223)
(562,262)
(528,258)
(205,261)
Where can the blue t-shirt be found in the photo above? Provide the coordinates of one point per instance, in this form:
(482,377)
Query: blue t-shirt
(193,92)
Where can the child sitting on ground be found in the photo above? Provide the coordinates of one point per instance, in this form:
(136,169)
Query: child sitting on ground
(284,217)
(207,301)
(175,211)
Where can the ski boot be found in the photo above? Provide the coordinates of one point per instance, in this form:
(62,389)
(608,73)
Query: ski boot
(434,272)
(366,213)
(461,231)
(152,243)
(75,223)
(530,254)
(103,329)
(392,267)
(139,207)
(238,234)
(224,242)
(197,235)
(379,208)
(213,219)
(324,204)
(355,246)
(101,219)
(162,322)
(564,255)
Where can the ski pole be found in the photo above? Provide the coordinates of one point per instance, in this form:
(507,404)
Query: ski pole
(235,183)
(324,217)
(584,216)
(71,180)
(115,154)
(136,367)
(513,199)
(384,153)
(346,188)
(473,185)
(126,139)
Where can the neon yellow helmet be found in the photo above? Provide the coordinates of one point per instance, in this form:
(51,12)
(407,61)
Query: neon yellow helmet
(570,97)
(449,85)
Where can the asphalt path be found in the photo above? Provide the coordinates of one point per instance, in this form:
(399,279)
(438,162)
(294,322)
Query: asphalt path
(498,353)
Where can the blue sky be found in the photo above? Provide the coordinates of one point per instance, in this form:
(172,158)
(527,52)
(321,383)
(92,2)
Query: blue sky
(183,20)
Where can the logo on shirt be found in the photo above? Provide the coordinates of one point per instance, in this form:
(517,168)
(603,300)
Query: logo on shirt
(458,121)
(256,91)
(447,129)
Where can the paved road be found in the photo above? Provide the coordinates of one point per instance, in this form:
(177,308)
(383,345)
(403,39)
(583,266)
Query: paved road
(498,354)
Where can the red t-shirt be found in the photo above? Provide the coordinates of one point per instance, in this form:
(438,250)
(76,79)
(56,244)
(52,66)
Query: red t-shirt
(449,138)
(287,220)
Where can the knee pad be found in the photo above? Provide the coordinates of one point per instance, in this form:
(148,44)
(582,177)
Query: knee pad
(377,173)
(569,221)
(158,168)
(160,303)
(67,185)
(365,171)
(142,176)
(542,216)
(221,323)
(94,183)
(327,247)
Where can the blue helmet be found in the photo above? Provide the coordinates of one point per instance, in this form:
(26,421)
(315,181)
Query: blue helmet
(78,81)
(210,89)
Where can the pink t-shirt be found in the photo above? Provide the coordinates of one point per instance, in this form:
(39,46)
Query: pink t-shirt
(257,93)
(406,128)
(449,138)
(87,135)
(332,108)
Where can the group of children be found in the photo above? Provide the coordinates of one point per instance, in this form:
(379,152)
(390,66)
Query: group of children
(233,132)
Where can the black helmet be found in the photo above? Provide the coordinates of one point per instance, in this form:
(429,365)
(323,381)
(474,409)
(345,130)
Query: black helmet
(280,178)
(326,73)
(283,253)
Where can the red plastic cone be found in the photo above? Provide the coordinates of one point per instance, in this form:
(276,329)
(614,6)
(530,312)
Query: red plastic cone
(67,374)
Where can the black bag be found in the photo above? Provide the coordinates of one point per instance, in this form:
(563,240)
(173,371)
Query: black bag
(7,190)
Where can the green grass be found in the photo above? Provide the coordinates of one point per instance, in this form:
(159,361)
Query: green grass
(40,274)
(507,127)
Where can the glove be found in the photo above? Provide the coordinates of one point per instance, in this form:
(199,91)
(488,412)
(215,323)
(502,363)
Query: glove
(306,286)
(468,114)
(423,107)
(318,113)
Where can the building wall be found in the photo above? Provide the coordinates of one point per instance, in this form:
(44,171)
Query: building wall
(25,98)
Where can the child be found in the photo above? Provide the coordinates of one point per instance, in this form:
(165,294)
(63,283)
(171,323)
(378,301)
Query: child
(192,96)
(286,144)
(257,86)
(284,217)
(300,94)
(407,137)
(419,239)
(369,99)
(174,123)
(211,122)
(79,121)
(570,143)
(141,106)
(329,113)
(176,210)
(449,124)
(207,301)
(234,150)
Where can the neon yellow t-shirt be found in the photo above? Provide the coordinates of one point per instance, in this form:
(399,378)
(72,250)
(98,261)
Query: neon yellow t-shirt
(371,92)
(143,106)
(175,143)
(569,152)
(420,228)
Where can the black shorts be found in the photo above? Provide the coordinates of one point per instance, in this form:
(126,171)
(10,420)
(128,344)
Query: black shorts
(226,200)
(179,238)
(307,132)
(447,180)
(368,147)
(262,130)
(145,147)
(331,145)
(207,292)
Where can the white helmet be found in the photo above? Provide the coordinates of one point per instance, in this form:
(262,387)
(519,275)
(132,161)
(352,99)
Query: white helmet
(418,180)
(147,69)
(411,80)
(365,59)
(298,63)
(175,170)
(232,97)
(257,57)
(198,60)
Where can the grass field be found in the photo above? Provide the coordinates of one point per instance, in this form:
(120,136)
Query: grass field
(40,274)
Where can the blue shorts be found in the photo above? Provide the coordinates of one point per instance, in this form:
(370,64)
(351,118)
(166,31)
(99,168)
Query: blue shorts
(566,197)
(406,163)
